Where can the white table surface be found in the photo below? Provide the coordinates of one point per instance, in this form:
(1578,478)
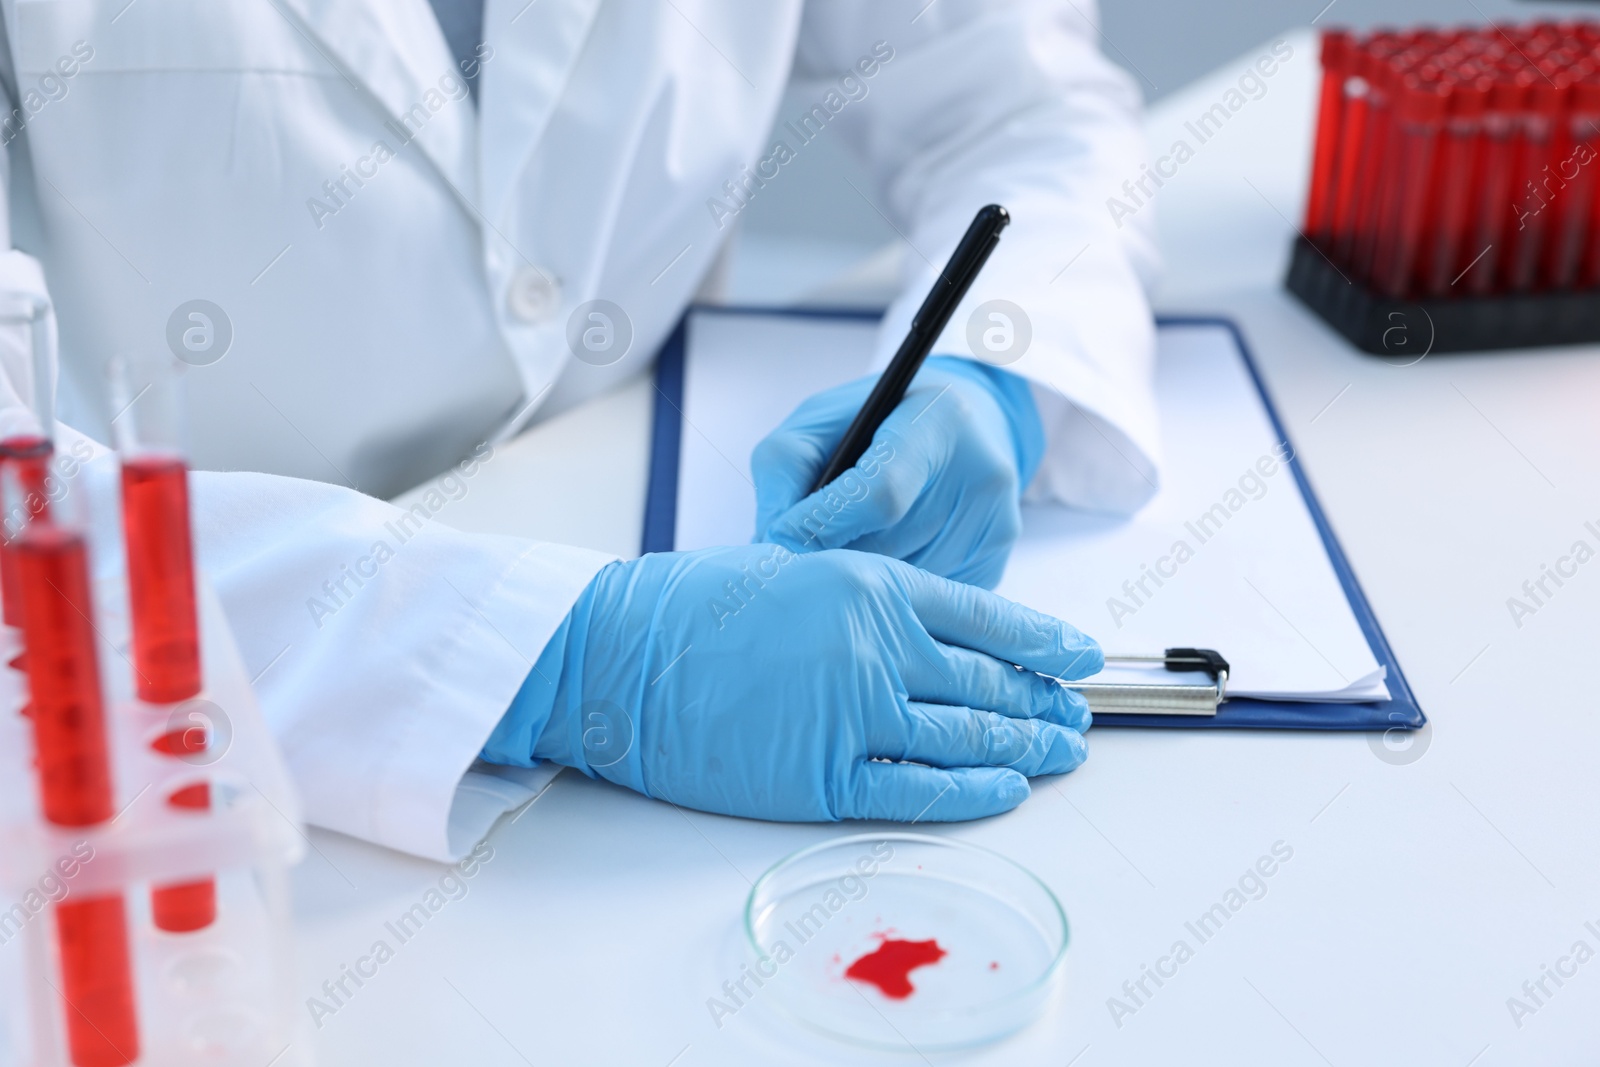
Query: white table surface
(1424,890)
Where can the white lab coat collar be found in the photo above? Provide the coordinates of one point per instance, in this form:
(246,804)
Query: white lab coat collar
(395,51)
(537,43)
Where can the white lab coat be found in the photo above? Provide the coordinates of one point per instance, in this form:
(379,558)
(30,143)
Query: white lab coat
(399,296)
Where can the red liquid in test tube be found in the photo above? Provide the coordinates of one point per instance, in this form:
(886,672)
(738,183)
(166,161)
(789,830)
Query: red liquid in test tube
(96,979)
(1376,171)
(155,520)
(1589,274)
(1534,198)
(1449,220)
(1572,141)
(1492,183)
(75,785)
(1419,110)
(1576,232)
(161,594)
(1347,157)
(166,640)
(1330,110)
(185,906)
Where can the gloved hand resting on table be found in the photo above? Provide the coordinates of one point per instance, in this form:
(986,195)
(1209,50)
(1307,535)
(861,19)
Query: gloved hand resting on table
(760,682)
(939,487)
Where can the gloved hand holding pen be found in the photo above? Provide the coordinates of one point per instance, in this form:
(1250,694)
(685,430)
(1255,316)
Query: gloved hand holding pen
(761,682)
(940,487)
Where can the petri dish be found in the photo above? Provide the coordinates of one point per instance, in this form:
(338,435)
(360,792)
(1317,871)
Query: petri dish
(898,939)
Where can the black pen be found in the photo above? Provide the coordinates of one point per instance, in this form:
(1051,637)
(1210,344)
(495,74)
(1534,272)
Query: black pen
(948,290)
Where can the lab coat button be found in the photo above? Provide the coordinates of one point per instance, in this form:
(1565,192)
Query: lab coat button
(534,295)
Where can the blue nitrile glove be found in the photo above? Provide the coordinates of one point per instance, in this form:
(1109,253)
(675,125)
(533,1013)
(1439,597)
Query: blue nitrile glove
(760,682)
(939,486)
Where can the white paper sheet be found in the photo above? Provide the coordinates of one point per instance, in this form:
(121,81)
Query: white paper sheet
(1252,580)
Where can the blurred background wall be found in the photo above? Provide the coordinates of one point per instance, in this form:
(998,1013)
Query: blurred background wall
(1165,44)
(813,225)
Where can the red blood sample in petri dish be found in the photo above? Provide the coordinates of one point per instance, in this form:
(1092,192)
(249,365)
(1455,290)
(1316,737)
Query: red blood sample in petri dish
(889,966)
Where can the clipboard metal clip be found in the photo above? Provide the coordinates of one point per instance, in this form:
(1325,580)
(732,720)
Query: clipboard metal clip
(1157,698)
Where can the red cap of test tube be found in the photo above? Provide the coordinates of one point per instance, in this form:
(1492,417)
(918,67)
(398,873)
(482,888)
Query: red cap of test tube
(1335,49)
(1470,95)
(1422,101)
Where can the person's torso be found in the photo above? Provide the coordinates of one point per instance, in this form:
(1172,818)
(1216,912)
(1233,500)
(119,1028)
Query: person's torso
(399,272)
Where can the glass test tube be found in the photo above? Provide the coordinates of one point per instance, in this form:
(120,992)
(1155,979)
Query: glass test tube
(74,768)
(1534,199)
(161,590)
(1347,159)
(1330,108)
(1376,167)
(26,445)
(155,519)
(1578,233)
(1419,114)
(27,453)
(1449,221)
(1492,182)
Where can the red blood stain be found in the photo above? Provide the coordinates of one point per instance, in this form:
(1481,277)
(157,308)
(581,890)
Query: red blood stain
(889,966)
(994,965)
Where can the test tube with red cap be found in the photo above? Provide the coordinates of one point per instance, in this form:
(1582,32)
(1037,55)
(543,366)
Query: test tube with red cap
(1330,111)
(71,750)
(1571,171)
(1533,194)
(1449,220)
(1419,115)
(1412,124)
(1377,168)
(1347,156)
(161,588)
(1589,273)
(1577,233)
(1492,181)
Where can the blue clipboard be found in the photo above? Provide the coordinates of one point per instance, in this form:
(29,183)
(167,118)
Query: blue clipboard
(1399,712)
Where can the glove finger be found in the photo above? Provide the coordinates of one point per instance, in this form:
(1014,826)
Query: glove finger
(949,737)
(783,466)
(910,792)
(874,495)
(948,674)
(980,620)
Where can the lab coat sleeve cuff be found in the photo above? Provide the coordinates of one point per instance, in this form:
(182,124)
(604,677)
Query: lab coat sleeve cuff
(488,791)
(476,794)
(1090,460)
(383,684)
